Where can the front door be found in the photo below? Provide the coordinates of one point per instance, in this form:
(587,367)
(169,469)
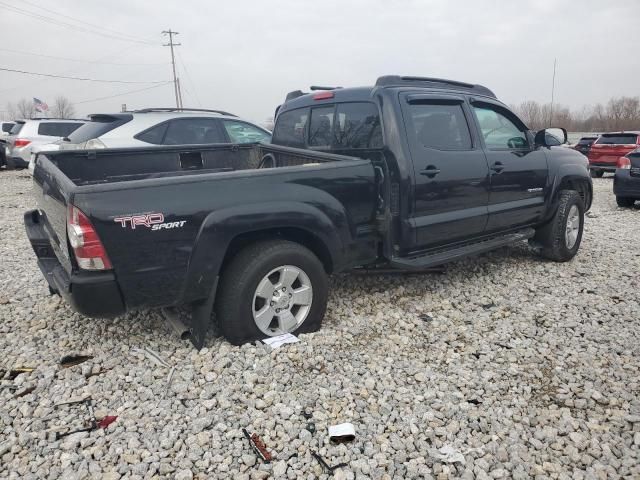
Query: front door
(518,170)
(451,175)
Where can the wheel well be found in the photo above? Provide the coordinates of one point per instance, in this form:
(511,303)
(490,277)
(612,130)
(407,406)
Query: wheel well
(296,235)
(581,186)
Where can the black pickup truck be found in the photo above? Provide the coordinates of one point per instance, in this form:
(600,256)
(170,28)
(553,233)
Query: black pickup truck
(408,174)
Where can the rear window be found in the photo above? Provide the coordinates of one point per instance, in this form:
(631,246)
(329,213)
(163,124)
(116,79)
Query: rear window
(358,126)
(15,130)
(618,139)
(98,126)
(57,129)
(586,140)
(321,126)
(6,127)
(291,127)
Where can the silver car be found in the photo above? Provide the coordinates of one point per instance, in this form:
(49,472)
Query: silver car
(27,134)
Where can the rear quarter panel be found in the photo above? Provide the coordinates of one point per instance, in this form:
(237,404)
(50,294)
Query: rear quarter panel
(169,266)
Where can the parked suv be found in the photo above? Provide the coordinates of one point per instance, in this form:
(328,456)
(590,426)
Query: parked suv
(607,150)
(26,134)
(163,126)
(584,144)
(626,183)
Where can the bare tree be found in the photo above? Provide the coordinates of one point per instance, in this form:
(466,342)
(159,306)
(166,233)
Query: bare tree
(63,108)
(22,109)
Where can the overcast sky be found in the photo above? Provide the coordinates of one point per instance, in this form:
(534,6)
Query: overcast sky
(244,56)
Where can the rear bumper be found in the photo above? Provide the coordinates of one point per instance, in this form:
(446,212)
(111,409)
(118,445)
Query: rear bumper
(95,294)
(625,185)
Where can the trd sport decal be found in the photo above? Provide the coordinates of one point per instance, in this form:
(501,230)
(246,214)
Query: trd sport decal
(154,221)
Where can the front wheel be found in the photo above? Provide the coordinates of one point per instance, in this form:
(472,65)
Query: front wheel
(561,237)
(625,202)
(271,288)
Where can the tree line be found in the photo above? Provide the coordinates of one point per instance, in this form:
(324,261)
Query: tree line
(62,107)
(619,113)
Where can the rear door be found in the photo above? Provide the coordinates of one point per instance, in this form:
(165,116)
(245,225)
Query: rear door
(451,176)
(518,170)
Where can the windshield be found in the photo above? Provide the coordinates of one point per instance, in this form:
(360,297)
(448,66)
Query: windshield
(618,139)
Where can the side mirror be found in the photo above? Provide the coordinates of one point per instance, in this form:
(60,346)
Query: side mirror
(551,137)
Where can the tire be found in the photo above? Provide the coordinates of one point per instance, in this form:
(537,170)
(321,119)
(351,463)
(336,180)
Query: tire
(554,236)
(261,265)
(596,173)
(625,202)
(11,165)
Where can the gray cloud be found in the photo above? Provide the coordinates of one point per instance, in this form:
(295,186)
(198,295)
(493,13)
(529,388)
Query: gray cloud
(244,56)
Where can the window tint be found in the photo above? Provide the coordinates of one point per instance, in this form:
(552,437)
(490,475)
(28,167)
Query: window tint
(99,125)
(497,130)
(6,127)
(57,129)
(439,125)
(617,139)
(16,128)
(321,126)
(240,132)
(188,131)
(357,126)
(291,127)
(154,134)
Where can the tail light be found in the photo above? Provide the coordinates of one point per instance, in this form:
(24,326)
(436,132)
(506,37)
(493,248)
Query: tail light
(87,247)
(323,96)
(21,142)
(624,163)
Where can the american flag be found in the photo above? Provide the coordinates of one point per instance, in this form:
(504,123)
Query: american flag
(40,105)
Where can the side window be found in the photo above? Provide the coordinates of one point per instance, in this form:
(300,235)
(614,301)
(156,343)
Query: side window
(498,131)
(60,129)
(241,132)
(190,131)
(357,126)
(442,126)
(321,127)
(291,128)
(154,134)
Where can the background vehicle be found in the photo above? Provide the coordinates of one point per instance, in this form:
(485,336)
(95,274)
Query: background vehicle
(163,126)
(626,183)
(5,128)
(26,134)
(584,145)
(608,148)
(158,126)
(437,170)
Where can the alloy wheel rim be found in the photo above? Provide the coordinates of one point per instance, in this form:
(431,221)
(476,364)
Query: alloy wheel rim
(282,300)
(573,227)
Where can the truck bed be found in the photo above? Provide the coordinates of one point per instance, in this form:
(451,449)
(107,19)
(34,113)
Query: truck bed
(207,196)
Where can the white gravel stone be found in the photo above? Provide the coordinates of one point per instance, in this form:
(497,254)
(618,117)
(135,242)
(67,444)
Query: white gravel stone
(526,367)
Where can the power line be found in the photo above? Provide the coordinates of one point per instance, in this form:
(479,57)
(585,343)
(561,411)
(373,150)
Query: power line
(73,78)
(124,93)
(79,60)
(69,25)
(84,22)
(176,84)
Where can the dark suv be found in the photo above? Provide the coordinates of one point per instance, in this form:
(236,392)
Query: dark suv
(584,144)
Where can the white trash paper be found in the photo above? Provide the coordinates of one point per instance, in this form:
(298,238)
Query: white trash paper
(275,342)
(342,432)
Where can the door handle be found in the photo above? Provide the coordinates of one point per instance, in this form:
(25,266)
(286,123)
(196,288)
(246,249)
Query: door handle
(497,167)
(431,171)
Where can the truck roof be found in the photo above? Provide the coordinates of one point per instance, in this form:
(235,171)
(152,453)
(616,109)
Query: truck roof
(298,98)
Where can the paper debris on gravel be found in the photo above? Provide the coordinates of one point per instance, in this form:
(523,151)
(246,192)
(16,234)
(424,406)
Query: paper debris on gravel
(275,342)
(345,432)
(448,454)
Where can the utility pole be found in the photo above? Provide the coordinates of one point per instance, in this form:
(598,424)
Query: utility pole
(553,90)
(176,85)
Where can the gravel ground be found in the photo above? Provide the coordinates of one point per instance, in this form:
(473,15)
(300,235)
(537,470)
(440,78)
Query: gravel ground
(504,366)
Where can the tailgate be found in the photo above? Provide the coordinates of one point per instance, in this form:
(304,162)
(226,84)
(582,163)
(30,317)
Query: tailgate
(52,191)
(611,146)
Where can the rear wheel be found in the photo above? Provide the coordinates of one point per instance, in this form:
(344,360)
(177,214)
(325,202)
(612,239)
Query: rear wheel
(11,165)
(625,202)
(561,237)
(596,173)
(271,288)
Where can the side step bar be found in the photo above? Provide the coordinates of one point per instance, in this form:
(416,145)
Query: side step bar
(431,259)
